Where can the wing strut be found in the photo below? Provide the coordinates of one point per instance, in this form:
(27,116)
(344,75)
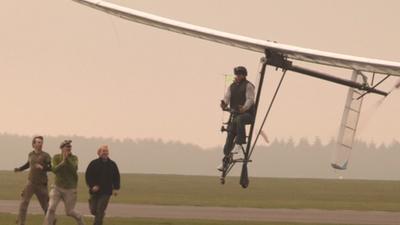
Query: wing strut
(279,61)
(244,178)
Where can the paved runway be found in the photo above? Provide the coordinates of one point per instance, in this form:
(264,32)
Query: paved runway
(221,213)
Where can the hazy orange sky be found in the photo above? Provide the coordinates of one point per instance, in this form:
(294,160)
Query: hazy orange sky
(68,69)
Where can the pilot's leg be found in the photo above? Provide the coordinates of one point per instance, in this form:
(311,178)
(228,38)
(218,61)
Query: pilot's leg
(241,121)
(229,143)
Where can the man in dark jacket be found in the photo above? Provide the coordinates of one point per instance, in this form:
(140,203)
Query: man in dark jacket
(240,97)
(103,180)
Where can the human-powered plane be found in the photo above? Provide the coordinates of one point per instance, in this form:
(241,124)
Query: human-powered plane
(364,73)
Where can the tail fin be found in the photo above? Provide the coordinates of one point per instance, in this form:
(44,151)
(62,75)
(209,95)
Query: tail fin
(338,167)
(348,126)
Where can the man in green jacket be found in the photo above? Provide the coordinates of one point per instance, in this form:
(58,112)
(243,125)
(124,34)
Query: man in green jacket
(39,163)
(65,167)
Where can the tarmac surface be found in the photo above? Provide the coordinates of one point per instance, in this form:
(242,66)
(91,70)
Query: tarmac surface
(222,213)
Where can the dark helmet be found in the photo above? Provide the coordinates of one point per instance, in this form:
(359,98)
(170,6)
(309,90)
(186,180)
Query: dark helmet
(240,70)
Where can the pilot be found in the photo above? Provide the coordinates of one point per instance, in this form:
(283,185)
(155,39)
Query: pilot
(240,98)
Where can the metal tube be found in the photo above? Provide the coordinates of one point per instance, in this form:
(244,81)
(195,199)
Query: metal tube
(244,176)
(376,85)
(262,75)
(333,79)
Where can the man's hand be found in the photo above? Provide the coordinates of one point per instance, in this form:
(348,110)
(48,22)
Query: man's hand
(223,105)
(95,189)
(38,166)
(65,155)
(115,192)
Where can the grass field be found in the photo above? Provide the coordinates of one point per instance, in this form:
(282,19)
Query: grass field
(262,193)
(7,219)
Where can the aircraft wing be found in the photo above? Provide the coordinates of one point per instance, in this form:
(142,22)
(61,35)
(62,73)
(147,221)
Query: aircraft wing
(291,52)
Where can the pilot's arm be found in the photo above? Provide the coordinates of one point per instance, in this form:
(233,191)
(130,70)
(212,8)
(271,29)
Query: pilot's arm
(250,96)
(227,98)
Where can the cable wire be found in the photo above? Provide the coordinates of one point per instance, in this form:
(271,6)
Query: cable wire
(267,114)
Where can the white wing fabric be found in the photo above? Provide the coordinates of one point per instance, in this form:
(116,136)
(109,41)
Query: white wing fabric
(291,52)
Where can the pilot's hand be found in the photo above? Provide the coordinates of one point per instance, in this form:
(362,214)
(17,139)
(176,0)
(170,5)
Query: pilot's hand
(223,104)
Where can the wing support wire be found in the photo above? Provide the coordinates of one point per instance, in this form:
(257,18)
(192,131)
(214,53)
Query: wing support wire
(376,85)
(267,114)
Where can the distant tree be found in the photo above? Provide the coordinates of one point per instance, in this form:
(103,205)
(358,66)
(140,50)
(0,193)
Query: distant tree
(317,145)
(303,144)
(289,144)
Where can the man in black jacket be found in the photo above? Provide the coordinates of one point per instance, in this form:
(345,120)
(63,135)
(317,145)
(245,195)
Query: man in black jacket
(103,180)
(240,96)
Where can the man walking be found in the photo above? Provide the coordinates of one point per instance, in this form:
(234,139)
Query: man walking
(103,180)
(65,167)
(39,163)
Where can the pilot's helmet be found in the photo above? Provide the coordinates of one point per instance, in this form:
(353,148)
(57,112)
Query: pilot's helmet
(240,70)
